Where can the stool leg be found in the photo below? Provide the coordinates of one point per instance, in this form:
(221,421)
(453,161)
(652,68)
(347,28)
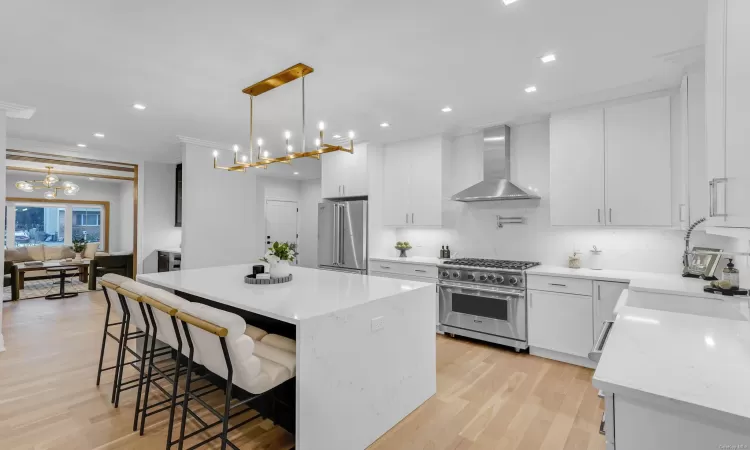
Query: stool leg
(177,358)
(104,341)
(228,398)
(142,368)
(120,351)
(187,386)
(150,370)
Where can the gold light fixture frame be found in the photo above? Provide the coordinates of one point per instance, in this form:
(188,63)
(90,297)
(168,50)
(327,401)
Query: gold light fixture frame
(285,76)
(48,185)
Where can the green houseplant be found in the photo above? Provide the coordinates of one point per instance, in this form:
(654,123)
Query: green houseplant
(79,245)
(278,256)
(403,247)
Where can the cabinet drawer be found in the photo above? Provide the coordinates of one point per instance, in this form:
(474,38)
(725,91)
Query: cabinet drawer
(417,270)
(560,284)
(401,276)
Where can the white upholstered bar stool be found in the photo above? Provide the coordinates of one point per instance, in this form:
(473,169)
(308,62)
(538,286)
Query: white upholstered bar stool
(228,352)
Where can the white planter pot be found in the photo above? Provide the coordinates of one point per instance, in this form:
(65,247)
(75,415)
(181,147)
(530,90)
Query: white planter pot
(280,269)
(78,257)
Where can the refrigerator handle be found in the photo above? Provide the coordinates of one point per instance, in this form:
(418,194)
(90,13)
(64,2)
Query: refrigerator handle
(335,243)
(342,217)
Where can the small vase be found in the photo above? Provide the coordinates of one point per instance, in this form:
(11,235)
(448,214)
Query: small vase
(78,257)
(280,269)
(403,252)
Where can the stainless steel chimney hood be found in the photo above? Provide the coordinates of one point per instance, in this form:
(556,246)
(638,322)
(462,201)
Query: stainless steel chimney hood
(496,184)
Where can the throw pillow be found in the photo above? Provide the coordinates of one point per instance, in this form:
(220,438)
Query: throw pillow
(16,255)
(53,252)
(68,252)
(36,252)
(90,250)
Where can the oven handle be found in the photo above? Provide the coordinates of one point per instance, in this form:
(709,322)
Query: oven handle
(596,353)
(481,289)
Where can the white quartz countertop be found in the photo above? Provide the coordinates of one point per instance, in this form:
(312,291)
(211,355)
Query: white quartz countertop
(688,360)
(311,293)
(409,259)
(623,276)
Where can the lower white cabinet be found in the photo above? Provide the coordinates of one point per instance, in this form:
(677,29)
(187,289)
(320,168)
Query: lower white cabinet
(426,273)
(606,294)
(561,322)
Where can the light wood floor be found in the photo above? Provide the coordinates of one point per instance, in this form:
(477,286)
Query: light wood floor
(488,398)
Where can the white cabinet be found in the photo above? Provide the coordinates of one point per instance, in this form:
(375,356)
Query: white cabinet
(560,322)
(727,113)
(638,163)
(426,273)
(622,151)
(606,295)
(344,174)
(412,183)
(577,168)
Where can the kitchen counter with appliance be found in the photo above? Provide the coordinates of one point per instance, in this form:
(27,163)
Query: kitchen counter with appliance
(385,325)
(682,373)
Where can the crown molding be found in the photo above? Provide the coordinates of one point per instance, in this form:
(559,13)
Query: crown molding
(16,111)
(203,143)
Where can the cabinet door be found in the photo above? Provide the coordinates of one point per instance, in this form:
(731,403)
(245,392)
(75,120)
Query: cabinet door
(332,173)
(354,172)
(561,322)
(425,189)
(577,168)
(606,295)
(737,152)
(638,163)
(396,173)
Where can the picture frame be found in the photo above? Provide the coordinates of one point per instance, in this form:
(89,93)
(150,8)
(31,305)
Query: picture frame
(703,265)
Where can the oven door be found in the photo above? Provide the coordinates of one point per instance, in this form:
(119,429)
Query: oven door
(486,309)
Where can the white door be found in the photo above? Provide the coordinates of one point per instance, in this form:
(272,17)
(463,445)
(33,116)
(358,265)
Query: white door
(561,322)
(737,186)
(577,168)
(606,295)
(425,189)
(396,173)
(281,222)
(638,163)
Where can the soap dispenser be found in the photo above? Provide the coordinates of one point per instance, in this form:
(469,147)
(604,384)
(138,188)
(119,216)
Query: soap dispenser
(731,274)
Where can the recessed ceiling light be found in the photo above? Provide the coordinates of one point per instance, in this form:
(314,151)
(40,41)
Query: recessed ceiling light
(530,89)
(337,136)
(98,135)
(508,2)
(82,145)
(385,125)
(296,173)
(548,58)
(447,109)
(494,138)
(139,106)
(92,178)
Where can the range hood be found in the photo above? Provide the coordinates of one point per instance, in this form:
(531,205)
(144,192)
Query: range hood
(496,184)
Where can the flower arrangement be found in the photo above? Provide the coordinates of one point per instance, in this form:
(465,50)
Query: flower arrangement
(403,247)
(79,245)
(278,256)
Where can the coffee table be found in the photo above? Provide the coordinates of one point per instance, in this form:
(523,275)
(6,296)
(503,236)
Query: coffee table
(21,269)
(62,294)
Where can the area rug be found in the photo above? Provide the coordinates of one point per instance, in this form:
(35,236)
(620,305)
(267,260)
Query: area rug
(41,288)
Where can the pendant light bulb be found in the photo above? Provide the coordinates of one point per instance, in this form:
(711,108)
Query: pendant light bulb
(287,135)
(289,148)
(236,148)
(321,125)
(317,142)
(260,142)
(351,135)
(216,153)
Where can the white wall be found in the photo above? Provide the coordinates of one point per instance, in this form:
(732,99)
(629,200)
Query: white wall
(219,215)
(3,146)
(121,217)
(469,228)
(310,196)
(158,212)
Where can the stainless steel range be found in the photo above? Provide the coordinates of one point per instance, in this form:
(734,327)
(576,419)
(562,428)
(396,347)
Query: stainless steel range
(484,299)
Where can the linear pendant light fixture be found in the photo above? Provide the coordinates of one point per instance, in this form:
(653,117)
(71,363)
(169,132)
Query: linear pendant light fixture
(261,157)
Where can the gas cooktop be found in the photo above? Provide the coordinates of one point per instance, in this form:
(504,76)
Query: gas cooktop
(492,264)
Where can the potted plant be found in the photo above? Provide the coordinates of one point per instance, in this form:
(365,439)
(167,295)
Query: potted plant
(403,247)
(79,245)
(278,256)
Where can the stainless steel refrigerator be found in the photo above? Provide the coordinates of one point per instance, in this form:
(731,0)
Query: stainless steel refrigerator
(342,236)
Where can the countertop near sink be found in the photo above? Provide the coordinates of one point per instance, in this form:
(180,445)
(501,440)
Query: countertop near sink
(409,259)
(693,363)
(622,276)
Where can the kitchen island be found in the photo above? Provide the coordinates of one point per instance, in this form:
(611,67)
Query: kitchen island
(365,345)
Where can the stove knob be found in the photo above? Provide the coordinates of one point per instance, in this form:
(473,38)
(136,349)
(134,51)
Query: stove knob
(444,274)
(455,274)
(513,280)
(470,277)
(500,279)
(491,277)
(482,277)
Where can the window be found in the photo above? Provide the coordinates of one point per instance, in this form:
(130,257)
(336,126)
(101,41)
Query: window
(87,224)
(39,225)
(58,224)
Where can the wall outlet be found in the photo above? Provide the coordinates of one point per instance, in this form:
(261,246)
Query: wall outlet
(377,323)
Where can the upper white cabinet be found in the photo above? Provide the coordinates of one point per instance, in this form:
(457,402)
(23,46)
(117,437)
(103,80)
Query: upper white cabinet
(344,174)
(638,163)
(727,113)
(412,183)
(577,168)
(612,166)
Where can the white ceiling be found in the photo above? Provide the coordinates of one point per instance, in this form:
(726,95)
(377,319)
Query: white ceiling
(83,63)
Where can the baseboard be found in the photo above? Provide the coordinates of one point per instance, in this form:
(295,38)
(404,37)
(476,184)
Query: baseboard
(564,357)
(2,342)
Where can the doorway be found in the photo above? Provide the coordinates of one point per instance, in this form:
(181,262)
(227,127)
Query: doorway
(281,223)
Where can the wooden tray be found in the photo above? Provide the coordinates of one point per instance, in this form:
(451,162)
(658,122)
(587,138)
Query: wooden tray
(250,280)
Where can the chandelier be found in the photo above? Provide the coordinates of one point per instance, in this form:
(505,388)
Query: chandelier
(48,183)
(260,156)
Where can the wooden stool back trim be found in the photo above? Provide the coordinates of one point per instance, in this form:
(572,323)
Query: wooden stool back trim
(159,305)
(128,294)
(202,324)
(106,283)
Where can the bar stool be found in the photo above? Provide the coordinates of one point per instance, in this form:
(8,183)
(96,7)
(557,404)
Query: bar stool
(228,352)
